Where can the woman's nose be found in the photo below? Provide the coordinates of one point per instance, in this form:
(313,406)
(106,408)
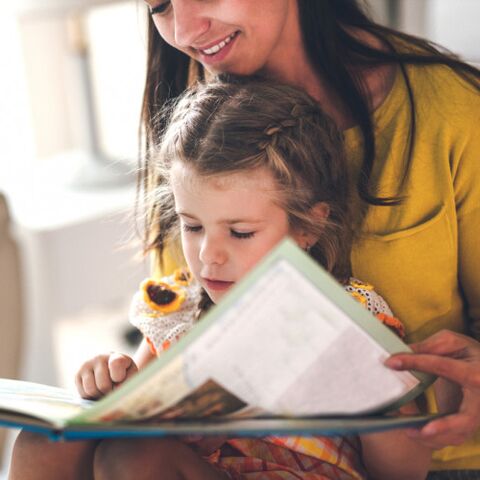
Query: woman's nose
(190,22)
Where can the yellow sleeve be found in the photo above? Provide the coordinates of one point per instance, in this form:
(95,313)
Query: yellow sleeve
(466,183)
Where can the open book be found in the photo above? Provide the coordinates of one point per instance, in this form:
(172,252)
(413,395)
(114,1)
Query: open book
(287,351)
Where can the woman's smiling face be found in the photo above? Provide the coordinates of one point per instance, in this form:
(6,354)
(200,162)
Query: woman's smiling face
(236,36)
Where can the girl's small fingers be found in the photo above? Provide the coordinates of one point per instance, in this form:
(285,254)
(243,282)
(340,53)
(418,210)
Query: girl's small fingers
(118,366)
(133,369)
(89,385)
(79,385)
(103,381)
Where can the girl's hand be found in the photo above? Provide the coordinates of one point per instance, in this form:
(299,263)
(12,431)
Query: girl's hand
(103,373)
(455,359)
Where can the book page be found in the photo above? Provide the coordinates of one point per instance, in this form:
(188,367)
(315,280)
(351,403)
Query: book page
(44,402)
(286,348)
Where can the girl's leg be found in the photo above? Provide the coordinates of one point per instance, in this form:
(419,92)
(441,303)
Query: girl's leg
(35,457)
(145,459)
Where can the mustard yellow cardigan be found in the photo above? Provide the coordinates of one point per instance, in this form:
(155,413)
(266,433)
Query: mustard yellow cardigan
(423,256)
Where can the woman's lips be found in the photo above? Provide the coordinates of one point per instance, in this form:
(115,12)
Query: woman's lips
(217,285)
(218,56)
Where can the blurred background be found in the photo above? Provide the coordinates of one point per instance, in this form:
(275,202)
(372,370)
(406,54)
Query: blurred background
(71,83)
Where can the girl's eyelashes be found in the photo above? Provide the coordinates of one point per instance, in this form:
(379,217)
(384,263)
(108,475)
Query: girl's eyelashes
(191,228)
(160,9)
(233,233)
(241,235)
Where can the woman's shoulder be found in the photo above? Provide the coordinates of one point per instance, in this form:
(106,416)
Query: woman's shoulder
(449,88)
(441,92)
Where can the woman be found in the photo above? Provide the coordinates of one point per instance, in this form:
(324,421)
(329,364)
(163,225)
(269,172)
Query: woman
(408,113)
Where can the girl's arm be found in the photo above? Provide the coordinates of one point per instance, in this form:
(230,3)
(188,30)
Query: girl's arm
(394,455)
(143,355)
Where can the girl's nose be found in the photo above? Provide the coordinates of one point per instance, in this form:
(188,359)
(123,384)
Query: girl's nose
(212,252)
(190,22)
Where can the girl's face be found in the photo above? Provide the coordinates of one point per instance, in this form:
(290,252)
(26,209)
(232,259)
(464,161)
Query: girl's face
(228,224)
(241,37)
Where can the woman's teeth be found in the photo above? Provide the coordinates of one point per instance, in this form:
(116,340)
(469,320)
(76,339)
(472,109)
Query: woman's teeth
(216,48)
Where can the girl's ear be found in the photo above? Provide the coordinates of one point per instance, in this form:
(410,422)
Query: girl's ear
(305,239)
(320,211)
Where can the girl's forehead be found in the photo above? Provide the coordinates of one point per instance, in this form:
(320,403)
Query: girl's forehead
(241,197)
(258,179)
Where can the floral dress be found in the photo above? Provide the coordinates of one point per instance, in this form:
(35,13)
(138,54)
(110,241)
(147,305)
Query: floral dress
(165,310)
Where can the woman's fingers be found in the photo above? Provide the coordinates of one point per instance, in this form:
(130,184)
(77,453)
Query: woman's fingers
(449,430)
(445,343)
(449,368)
(454,358)
(446,354)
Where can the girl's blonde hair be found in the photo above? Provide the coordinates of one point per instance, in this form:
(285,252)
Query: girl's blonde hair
(232,125)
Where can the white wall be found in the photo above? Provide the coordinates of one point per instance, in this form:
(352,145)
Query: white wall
(71,241)
(117,51)
(451,23)
(455,24)
(44,50)
(118,61)
(16,126)
(379,11)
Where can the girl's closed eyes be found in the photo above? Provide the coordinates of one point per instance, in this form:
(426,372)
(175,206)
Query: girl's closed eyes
(241,235)
(233,233)
(191,228)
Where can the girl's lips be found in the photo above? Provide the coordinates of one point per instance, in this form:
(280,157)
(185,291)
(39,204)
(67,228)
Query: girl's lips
(220,55)
(217,285)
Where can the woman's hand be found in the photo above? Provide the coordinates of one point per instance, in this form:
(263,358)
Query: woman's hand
(455,358)
(103,373)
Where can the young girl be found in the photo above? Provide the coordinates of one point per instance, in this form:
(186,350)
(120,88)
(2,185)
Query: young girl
(240,166)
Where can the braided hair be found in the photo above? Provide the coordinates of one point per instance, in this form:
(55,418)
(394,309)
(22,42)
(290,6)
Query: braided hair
(231,125)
